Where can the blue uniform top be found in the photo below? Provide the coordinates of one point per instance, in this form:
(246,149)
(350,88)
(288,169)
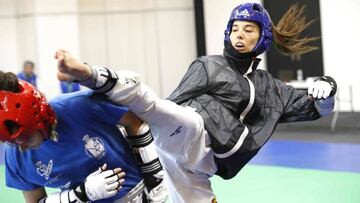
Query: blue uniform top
(88,138)
(31,79)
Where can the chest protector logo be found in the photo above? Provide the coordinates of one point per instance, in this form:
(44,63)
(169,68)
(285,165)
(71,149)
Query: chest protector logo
(44,170)
(94,147)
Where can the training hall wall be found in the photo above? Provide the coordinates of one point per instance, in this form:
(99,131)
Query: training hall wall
(155,38)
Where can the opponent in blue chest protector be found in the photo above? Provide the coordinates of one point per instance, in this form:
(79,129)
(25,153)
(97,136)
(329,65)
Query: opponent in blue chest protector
(88,137)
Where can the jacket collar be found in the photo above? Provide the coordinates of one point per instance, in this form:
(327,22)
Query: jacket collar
(240,61)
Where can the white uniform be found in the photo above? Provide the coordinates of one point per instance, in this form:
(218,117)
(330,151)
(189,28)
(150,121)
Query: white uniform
(182,142)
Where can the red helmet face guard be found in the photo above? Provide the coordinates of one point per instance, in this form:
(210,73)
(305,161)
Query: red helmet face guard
(27,110)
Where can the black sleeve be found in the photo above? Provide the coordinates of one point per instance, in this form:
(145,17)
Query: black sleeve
(297,105)
(195,82)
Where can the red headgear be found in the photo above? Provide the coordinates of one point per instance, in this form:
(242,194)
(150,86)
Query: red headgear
(26,109)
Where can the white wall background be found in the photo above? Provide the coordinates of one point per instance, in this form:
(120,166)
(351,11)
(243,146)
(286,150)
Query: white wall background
(8,43)
(340,34)
(153,37)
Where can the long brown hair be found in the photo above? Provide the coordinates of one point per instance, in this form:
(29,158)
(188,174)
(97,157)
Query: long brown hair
(286,32)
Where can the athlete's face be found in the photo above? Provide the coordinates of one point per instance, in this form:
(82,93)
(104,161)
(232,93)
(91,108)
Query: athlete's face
(33,142)
(244,36)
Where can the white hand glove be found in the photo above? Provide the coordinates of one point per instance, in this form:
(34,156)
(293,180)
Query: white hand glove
(158,194)
(319,89)
(103,183)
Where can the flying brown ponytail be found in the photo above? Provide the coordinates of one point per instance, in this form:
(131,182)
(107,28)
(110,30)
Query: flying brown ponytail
(286,32)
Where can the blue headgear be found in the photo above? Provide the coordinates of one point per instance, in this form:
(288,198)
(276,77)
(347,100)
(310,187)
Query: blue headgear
(256,13)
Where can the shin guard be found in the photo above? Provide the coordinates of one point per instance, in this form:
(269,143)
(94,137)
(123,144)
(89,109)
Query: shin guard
(146,156)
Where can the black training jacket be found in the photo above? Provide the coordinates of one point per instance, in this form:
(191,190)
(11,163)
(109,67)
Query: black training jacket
(240,112)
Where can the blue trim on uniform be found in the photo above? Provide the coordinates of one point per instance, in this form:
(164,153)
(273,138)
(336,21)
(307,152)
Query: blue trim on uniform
(310,155)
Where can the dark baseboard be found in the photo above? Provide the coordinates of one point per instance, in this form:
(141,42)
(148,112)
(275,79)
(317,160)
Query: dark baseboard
(347,130)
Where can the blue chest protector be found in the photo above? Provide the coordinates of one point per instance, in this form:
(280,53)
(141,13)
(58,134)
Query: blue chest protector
(88,138)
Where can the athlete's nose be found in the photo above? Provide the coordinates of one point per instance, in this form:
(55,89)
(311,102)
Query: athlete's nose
(240,35)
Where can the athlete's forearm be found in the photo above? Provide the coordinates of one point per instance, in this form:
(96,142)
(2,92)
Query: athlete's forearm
(98,185)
